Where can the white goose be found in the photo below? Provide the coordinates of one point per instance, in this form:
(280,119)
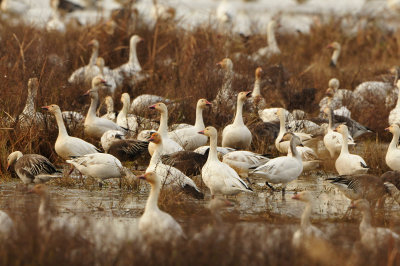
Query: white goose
(101,166)
(373,237)
(67,146)
(142,102)
(242,161)
(169,146)
(237,135)
(283,146)
(346,163)
(336,52)
(221,150)
(170,176)
(96,126)
(270,115)
(132,69)
(188,137)
(32,168)
(336,99)
(282,170)
(29,117)
(333,141)
(257,100)
(394,115)
(219,177)
(107,74)
(154,224)
(124,119)
(307,231)
(110,115)
(309,157)
(393,153)
(272,48)
(88,72)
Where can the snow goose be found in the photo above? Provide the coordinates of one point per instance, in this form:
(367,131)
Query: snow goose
(29,116)
(393,153)
(307,231)
(189,162)
(372,94)
(282,170)
(257,100)
(169,146)
(346,163)
(110,115)
(336,52)
(336,98)
(107,74)
(269,115)
(221,150)
(272,48)
(360,186)
(114,143)
(394,115)
(373,237)
(169,175)
(87,73)
(225,12)
(67,146)
(237,135)
(154,224)
(55,23)
(14,7)
(225,94)
(219,177)
(333,141)
(188,137)
(96,126)
(101,166)
(132,70)
(6,226)
(32,168)
(123,119)
(242,161)
(283,146)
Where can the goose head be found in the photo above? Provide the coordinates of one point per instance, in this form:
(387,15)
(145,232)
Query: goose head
(304,196)
(226,64)
(280,113)
(209,132)
(155,138)
(39,189)
(94,44)
(342,129)
(135,39)
(334,46)
(125,99)
(259,71)
(150,177)
(203,103)
(98,82)
(53,108)
(360,204)
(292,138)
(161,107)
(393,129)
(109,103)
(334,84)
(109,137)
(329,92)
(12,158)
(398,84)
(242,96)
(100,62)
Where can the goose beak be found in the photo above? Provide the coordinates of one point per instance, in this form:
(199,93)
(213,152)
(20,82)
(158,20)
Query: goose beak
(301,145)
(142,177)
(219,64)
(329,46)
(208,103)
(86,93)
(45,108)
(151,139)
(8,167)
(248,94)
(152,106)
(296,197)
(201,132)
(387,129)
(352,206)
(141,39)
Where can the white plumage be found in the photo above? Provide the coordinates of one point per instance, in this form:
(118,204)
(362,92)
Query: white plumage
(242,161)
(393,153)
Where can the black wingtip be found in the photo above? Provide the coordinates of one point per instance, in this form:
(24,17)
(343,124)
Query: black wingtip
(193,192)
(332,64)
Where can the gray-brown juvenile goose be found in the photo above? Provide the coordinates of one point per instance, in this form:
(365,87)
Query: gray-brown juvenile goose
(189,162)
(32,168)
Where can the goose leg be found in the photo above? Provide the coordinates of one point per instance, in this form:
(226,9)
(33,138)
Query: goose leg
(271,187)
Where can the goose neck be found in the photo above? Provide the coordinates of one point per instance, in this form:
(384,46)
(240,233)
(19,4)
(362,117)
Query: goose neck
(335,56)
(366,221)
(163,129)
(345,147)
(227,85)
(156,158)
(294,151)
(256,90)
(199,124)
(282,128)
(152,201)
(271,36)
(133,60)
(125,108)
(239,114)
(93,106)
(62,131)
(395,140)
(305,217)
(398,99)
(30,104)
(213,154)
(93,57)
(330,118)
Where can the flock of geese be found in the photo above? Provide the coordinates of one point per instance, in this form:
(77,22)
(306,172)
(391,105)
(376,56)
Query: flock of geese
(175,156)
